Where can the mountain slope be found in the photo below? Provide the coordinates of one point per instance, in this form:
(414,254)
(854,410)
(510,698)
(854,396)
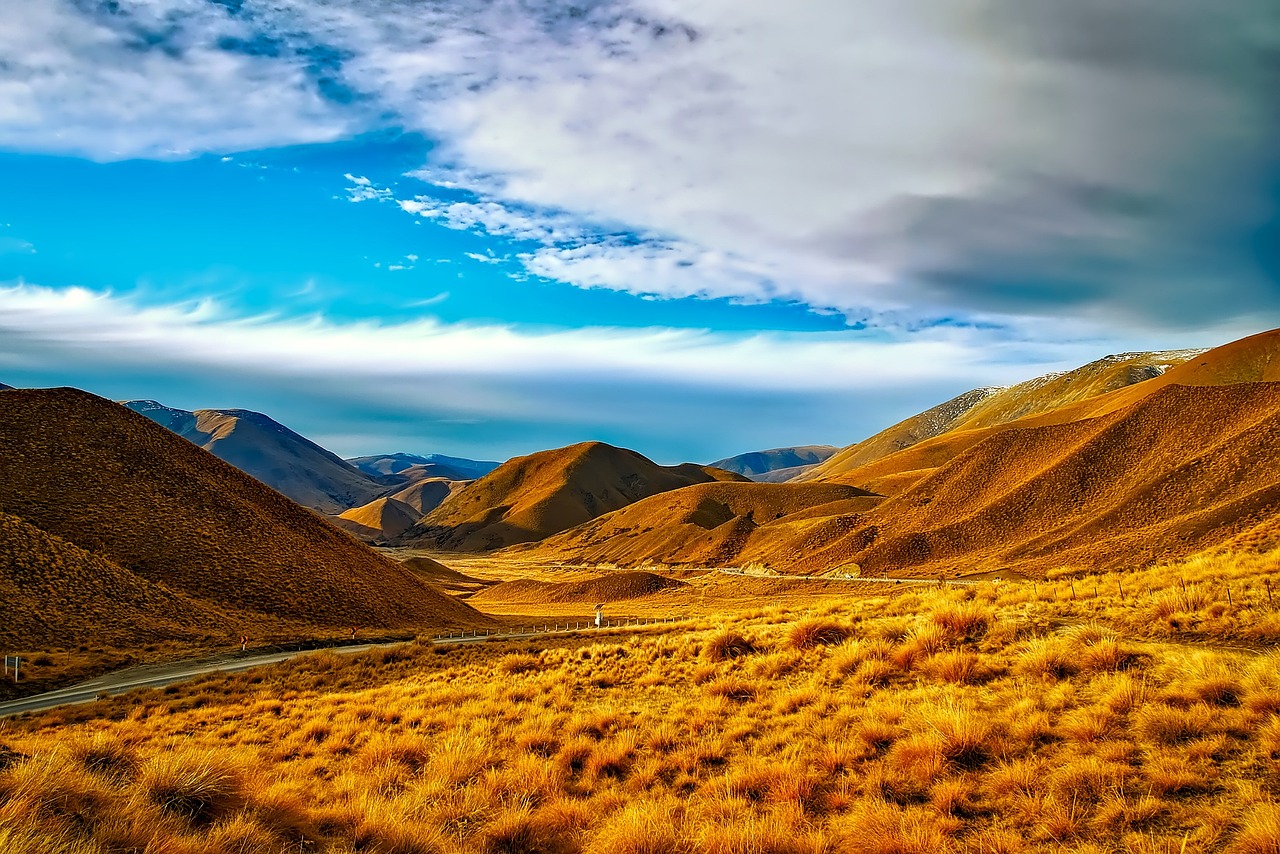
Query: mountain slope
(757,463)
(1176,471)
(429,465)
(708,524)
(285,461)
(3,387)
(991,407)
(380,519)
(57,594)
(531,497)
(1251,359)
(426,495)
(175,515)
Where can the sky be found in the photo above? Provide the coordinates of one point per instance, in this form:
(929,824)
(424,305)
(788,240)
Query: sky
(490,227)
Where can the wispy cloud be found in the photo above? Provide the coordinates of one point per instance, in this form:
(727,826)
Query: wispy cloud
(657,388)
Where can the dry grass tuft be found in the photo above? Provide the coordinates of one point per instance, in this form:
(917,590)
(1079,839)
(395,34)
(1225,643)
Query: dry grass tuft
(728,644)
(817,632)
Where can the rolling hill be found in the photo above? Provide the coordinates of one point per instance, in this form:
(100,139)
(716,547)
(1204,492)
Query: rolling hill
(991,407)
(709,524)
(285,461)
(532,497)
(380,519)
(428,494)
(1146,472)
(188,542)
(758,465)
(1177,471)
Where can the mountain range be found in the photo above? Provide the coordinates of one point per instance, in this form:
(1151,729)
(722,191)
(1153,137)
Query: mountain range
(531,497)
(1131,459)
(429,465)
(300,469)
(121,530)
(777,464)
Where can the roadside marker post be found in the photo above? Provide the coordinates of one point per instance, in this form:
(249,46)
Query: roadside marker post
(16,661)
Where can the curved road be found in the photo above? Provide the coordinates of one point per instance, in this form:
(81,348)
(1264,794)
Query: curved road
(156,676)
(160,675)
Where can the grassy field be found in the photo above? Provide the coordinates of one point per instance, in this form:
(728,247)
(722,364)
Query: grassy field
(1116,713)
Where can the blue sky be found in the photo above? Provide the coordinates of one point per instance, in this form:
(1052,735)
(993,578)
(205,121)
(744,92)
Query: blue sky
(486,228)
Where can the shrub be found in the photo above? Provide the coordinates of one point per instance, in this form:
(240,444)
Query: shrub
(638,828)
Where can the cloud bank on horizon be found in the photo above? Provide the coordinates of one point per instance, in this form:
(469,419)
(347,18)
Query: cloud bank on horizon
(1091,173)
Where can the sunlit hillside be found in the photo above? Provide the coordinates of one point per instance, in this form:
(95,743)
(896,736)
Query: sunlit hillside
(1135,712)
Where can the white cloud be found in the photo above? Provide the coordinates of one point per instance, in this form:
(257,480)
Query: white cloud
(1019,156)
(494,390)
(152,79)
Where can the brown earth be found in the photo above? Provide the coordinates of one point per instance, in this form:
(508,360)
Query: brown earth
(56,593)
(529,498)
(184,534)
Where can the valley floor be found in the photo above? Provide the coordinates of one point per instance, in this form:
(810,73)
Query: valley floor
(1117,713)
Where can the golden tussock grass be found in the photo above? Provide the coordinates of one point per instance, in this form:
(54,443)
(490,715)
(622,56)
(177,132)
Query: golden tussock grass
(998,718)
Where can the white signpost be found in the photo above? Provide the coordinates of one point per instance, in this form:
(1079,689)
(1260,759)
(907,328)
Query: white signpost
(16,663)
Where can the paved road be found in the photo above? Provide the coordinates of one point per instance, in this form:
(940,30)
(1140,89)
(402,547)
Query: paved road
(157,676)
(857,579)
(160,675)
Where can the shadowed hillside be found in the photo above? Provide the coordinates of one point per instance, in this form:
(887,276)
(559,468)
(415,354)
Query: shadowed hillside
(285,461)
(758,464)
(990,407)
(57,594)
(173,515)
(426,495)
(428,465)
(531,497)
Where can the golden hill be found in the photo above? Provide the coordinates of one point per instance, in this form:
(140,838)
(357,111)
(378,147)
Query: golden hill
(428,494)
(710,524)
(991,407)
(1181,469)
(529,498)
(380,519)
(267,450)
(1250,359)
(57,594)
(177,517)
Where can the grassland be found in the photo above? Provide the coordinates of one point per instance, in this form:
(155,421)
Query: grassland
(1115,713)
